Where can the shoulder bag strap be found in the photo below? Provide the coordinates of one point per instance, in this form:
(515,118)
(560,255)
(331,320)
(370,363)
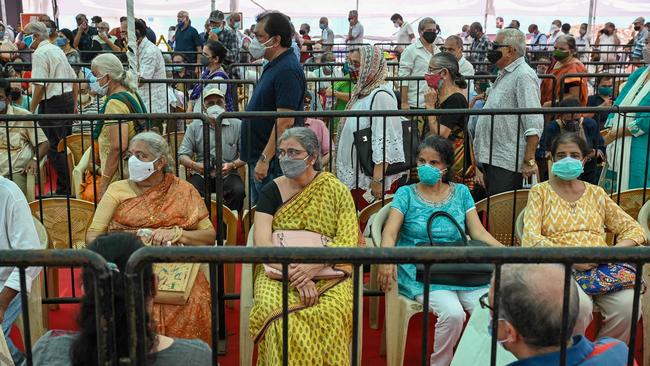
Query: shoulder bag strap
(463,237)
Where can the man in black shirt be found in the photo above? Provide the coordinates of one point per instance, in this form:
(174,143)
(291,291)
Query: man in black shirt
(83,37)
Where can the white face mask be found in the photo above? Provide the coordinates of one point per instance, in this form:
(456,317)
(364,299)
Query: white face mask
(140,170)
(101,90)
(214,111)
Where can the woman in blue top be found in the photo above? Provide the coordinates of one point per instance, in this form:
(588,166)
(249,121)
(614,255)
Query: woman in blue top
(212,58)
(411,208)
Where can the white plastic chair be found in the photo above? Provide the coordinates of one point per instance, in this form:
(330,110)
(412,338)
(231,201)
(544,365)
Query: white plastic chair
(247,301)
(399,309)
(644,216)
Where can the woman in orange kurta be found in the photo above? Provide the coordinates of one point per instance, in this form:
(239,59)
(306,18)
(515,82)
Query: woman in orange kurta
(565,61)
(174,213)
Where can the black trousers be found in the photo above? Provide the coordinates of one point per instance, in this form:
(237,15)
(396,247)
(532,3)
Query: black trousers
(499,180)
(233,189)
(56,130)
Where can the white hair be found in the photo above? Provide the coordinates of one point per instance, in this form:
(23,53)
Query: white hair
(157,146)
(515,39)
(108,63)
(38,29)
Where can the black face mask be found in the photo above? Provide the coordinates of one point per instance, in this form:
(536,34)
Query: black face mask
(15,94)
(494,56)
(302,32)
(606,32)
(473,34)
(430,37)
(637,28)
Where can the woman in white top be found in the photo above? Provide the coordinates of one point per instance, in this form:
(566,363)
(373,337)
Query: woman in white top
(371,92)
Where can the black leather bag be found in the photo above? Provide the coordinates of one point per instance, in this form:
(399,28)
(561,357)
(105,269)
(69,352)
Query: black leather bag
(363,145)
(454,274)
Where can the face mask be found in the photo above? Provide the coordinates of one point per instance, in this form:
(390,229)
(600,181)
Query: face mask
(346,69)
(3,105)
(204,60)
(567,168)
(637,28)
(214,111)
(61,42)
(15,94)
(237,25)
(101,90)
(554,28)
(180,24)
(302,32)
(430,37)
(483,86)
(434,81)
(140,170)
(489,329)
(606,32)
(583,32)
(354,74)
(494,56)
(560,55)
(605,91)
(323,26)
(293,168)
(177,68)
(257,49)
(2,34)
(216,30)
(429,175)
(28,40)
(50,31)
(473,34)
(326,70)
(396,25)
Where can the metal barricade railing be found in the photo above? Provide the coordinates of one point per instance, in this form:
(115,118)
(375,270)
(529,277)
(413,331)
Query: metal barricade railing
(618,79)
(22,259)
(359,256)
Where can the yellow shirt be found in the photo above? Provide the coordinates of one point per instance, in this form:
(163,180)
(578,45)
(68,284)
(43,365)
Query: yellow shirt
(21,144)
(114,107)
(117,193)
(551,221)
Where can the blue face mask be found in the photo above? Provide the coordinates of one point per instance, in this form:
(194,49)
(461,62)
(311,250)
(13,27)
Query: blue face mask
(216,30)
(3,105)
(323,26)
(429,175)
(237,25)
(61,42)
(180,24)
(28,40)
(567,168)
(2,34)
(605,90)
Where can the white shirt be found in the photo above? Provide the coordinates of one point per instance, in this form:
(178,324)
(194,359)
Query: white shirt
(49,61)
(466,68)
(582,43)
(17,231)
(357,34)
(151,65)
(608,41)
(415,62)
(404,33)
(346,162)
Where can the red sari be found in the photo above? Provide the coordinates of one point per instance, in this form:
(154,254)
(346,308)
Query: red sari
(576,67)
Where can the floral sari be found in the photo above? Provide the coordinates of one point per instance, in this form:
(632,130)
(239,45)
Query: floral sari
(320,334)
(173,202)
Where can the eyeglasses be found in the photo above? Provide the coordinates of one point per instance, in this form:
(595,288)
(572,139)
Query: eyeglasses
(484,301)
(291,153)
(447,49)
(496,46)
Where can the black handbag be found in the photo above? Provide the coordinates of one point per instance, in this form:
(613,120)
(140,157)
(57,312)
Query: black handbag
(454,274)
(363,145)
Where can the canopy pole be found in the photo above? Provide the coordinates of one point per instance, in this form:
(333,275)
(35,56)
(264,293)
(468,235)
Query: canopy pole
(4,12)
(212,5)
(134,63)
(592,16)
(234,6)
(487,5)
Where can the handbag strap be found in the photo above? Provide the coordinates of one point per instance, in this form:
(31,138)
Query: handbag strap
(463,237)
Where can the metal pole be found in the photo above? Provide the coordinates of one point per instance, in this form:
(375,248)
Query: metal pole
(4,12)
(130,20)
(487,4)
(590,21)
(212,5)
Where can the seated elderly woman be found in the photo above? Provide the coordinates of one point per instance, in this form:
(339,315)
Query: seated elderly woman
(411,208)
(567,212)
(64,348)
(304,203)
(163,210)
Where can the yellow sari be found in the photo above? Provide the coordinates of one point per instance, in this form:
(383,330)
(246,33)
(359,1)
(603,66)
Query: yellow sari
(321,334)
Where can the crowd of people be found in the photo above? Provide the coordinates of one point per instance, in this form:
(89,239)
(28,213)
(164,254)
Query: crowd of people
(452,162)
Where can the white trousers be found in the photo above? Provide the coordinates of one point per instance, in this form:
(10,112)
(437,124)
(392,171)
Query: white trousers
(616,310)
(449,307)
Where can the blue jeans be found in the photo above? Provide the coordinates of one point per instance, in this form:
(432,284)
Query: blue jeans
(255,185)
(11,314)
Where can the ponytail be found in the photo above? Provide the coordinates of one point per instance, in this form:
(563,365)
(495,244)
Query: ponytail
(460,81)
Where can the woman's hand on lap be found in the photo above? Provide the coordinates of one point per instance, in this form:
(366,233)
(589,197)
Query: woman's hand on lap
(308,294)
(386,276)
(301,274)
(162,237)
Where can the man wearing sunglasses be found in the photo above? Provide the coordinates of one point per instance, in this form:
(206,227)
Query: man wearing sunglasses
(505,144)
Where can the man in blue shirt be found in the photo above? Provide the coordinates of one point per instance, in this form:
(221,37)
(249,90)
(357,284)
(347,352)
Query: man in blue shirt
(186,38)
(280,88)
(531,300)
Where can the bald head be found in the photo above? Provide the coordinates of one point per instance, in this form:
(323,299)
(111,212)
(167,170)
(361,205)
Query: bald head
(531,299)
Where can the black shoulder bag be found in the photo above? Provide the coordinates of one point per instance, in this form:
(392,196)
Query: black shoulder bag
(454,274)
(363,145)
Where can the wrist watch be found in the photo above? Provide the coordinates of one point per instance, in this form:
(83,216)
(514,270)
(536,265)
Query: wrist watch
(531,162)
(264,158)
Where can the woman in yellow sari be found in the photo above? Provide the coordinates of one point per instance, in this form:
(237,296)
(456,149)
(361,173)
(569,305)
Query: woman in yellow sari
(304,199)
(173,213)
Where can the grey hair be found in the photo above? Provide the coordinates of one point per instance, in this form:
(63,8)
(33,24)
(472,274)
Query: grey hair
(569,40)
(531,299)
(354,13)
(39,29)
(515,39)
(307,138)
(158,146)
(424,22)
(457,40)
(108,63)
(328,55)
